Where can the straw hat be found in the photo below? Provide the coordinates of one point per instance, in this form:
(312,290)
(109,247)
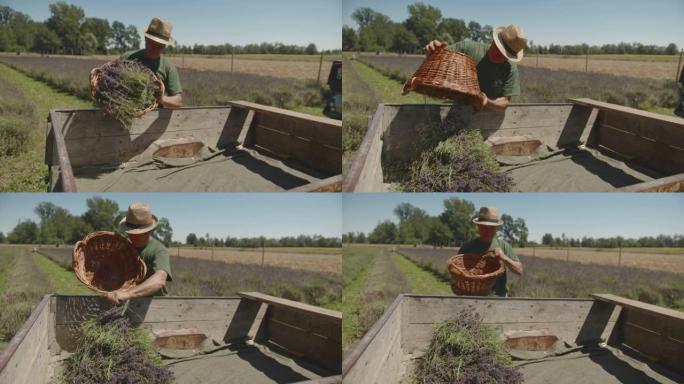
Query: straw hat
(139,219)
(160,31)
(488,216)
(511,41)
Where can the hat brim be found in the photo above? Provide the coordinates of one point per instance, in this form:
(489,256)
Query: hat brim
(138,230)
(487,223)
(503,49)
(170,41)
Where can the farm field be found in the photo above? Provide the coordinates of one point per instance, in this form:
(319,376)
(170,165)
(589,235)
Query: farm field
(559,278)
(279,66)
(327,260)
(200,277)
(373,277)
(656,67)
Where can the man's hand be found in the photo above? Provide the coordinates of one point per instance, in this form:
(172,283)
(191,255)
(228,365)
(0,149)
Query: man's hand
(117,297)
(515,266)
(499,254)
(434,46)
(160,92)
(482,101)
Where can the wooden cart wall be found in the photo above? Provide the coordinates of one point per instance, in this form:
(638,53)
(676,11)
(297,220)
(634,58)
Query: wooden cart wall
(656,141)
(53,327)
(77,138)
(406,327)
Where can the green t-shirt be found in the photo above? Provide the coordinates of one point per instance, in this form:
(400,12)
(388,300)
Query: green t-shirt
(156,258)
(496,80)
(162,67)
(476,246)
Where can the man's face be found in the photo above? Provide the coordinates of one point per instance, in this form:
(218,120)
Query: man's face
(153,49)
(487,232)
(140,240)
(495,56)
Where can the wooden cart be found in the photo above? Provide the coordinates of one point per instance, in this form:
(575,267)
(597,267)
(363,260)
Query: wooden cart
(608,147)
(276,340)
(267,148)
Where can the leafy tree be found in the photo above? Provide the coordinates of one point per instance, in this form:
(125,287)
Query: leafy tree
(100,29)
(404,40)
(349,39)
(191,239)
(311,49)
(423,21)
(458,215)
(119,36)
(65,21)
(474,30)
(384,233)
(89,43)
(364,16)
(25,232)
(547,239)
(102,214)
(132,37)
(163,232)
(46,40)
(439,233)
(3,239)
(456,28)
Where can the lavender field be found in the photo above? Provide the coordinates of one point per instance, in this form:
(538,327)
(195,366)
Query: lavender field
(200,87)
(195,277)
(544,85)
(559,278)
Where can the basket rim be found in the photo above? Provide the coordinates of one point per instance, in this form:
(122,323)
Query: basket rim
(97,71)
(464,274)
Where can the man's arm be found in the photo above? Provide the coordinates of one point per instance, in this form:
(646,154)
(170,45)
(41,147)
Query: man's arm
(175,101)
(515,266)
(147,288)
(498,104)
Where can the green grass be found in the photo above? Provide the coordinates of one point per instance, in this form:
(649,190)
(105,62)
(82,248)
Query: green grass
(62,280)
(356,266)
(388,90)
(420,280)
(26,171)
(6,264)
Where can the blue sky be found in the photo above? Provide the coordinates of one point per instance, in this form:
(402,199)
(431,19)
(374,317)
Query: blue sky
(219,214)
(597,22)
(218,21)
(575,214)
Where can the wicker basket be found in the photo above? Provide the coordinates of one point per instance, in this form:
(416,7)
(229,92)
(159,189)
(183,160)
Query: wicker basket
(447,75)
(105,262)
(94,78)
(474,274)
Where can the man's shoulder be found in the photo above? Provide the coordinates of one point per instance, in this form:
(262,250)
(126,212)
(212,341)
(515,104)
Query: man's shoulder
(166,61)
(131,54)
(155,246)
(501,242)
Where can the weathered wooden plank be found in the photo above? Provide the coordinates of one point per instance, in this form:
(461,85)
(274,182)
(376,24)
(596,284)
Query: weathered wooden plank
(657,156)
(294,305)
(290,147)
(665,132)
(665,326)
(313,323)
(653,346)
(627,110)
(423,310)
(301,342)
(68,182)
(26,357)
(673,183)
(638,305)
(75,309)
(365,173)
(377,357)
(330,184)
(311,130)
(284,112)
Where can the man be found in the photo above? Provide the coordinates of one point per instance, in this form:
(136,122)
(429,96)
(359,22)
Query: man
(488,222)
(157,37)
(496,68)
(138,225)
(679,111)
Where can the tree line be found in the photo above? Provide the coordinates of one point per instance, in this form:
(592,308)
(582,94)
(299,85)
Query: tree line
(57,225)
(659,241)
(377,32)
(261,241)
(452,227)
(69,31)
